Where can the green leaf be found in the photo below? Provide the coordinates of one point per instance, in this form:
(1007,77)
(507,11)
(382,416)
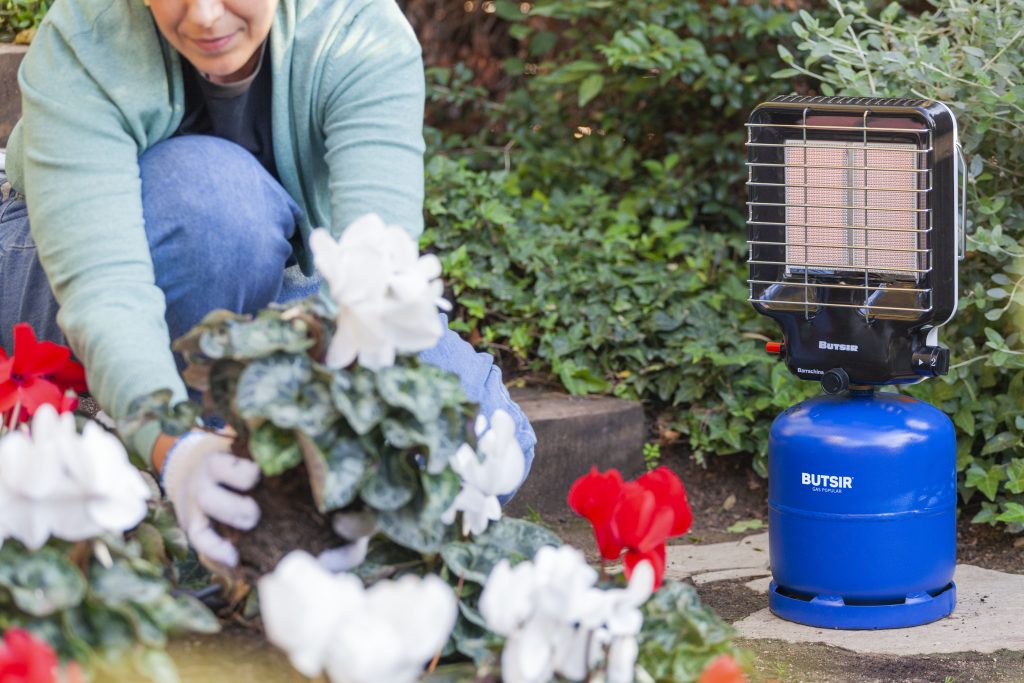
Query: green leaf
(473,641)
(274,449)
(745,525)
(1000,442)
(507,538)
(355,395)
(680,635)
(336,468)
(439,439)
(112,631)
(786,73)
(282,389)
(189,614)
(174,420)
(964,419)
(590,87)
(1015,476)
(267,334)
(120,585)
(422,390)
(987,515)
(985,480)
(43,582)
(1013,513)
(390,484)
(418,525)
(842,25)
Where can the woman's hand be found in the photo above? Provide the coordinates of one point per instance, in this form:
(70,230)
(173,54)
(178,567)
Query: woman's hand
(198,472)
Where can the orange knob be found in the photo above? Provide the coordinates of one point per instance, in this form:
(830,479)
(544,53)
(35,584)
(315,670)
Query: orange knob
(774,347)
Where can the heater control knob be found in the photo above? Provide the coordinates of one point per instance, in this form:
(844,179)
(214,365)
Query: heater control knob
(931,361)
(835,381)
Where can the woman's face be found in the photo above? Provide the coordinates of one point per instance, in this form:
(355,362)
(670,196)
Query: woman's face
(221,38)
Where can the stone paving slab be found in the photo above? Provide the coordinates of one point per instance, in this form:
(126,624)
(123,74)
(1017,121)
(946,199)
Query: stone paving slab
(748,556)
(989,615)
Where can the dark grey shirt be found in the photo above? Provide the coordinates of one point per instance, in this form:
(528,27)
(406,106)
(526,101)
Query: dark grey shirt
(239,112)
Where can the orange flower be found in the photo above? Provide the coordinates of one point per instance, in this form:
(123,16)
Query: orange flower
(723,669)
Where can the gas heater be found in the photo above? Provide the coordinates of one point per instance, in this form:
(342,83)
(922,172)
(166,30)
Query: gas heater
(855,223)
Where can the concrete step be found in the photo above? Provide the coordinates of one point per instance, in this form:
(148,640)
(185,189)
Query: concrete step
(575,433)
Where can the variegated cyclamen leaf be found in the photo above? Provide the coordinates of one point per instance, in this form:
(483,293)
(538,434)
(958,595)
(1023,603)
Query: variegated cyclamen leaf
(281,388)
(409,388)
(355,396)
(43,583)
(265,335)
(336,469)
(438,438)
(390,484)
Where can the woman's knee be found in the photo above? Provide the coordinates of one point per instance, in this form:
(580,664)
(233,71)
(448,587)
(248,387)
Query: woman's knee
(218,226)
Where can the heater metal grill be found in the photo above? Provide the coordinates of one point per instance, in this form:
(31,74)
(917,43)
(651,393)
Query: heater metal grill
(855,218)
(853,233)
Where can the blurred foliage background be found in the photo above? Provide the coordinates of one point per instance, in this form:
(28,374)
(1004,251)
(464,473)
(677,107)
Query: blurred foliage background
(585,192)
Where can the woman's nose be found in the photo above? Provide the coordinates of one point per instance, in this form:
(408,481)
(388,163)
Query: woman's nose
(205,13)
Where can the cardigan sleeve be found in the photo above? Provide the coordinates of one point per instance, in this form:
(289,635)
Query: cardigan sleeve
(80,174)
(372,118)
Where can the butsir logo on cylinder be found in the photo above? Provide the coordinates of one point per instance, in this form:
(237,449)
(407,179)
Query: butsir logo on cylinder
(830,481)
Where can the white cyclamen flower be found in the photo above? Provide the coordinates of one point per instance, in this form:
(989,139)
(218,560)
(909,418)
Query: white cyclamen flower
(498,470)
(557,621)
(57,482)
(327,621)
(302,606)
(386,293)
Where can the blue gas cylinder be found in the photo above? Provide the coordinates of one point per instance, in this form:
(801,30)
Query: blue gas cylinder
(862,511)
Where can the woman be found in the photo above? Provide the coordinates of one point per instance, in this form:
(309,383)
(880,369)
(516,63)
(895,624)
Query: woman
(174,156)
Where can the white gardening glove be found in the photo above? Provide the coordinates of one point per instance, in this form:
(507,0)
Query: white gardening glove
(355,528)
(196,471)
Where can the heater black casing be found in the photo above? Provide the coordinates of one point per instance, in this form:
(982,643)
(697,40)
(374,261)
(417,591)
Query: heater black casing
(835,333)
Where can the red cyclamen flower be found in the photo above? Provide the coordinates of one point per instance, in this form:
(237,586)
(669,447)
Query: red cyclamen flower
(594,496)
(26,659)
(37,374)
(642,525)
(669,492)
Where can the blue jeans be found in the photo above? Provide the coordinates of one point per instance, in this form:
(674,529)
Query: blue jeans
(220,231)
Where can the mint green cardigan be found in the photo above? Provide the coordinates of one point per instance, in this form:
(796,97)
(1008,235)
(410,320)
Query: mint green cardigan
(100,86)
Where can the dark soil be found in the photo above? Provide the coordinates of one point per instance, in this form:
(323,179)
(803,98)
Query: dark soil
(289,521)
(777,660)
(988,547)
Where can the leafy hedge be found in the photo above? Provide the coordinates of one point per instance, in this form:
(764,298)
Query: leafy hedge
(600,232)
(594,227)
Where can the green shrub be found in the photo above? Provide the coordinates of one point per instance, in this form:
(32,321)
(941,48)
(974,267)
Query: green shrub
(596,225)
(20,15)
(968,55)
